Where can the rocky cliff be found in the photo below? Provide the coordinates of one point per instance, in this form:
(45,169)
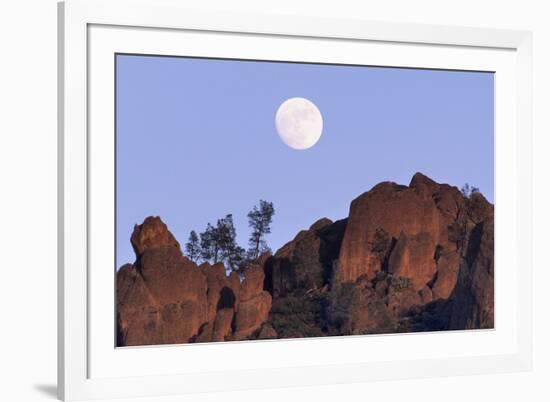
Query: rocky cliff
(164,298)
(407,258)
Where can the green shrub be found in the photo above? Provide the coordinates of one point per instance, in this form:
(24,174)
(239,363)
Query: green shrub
(297,316)
(400,282)
(338,312)
(317,314)
(381,242)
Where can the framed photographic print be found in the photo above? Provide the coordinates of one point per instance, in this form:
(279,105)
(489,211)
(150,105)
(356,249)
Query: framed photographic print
(257,201)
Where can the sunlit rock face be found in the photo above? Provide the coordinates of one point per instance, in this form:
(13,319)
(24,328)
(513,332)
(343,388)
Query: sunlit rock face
(408,258)
(383,216)
(162,297)
(165,298)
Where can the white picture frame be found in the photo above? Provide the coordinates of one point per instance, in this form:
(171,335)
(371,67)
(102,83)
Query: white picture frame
(91,31)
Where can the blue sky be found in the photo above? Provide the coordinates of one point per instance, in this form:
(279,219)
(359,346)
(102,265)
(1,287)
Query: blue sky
(196,139)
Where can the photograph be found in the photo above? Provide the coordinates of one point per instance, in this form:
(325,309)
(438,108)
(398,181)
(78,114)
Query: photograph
(270,201)
(266,199)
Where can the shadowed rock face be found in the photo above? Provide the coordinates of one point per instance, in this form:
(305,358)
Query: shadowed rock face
(473,296)
(306,262)
(408,258)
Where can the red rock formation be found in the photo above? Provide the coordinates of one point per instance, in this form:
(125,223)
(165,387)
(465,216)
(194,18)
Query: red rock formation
(473,297)
(306,261)
(222,325)
(400,301)
(164,298)
(389,209)
(447,273)
(254,303)
(426,295)
(412,257)
(267,332)
(218,285)
(415,232)
(152,234)
(408,258)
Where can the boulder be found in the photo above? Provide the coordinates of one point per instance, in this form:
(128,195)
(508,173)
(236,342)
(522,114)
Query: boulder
(404,230)
(376,220)
(267,332)
(413,258)
(205,333)
(150,235)
(253,283)
(171,277)
(400,301)
(254,303)
(251,314)
(235,285)
(217,283)
(222,324)
(451,205)
(446,276)
(426,295)
(134,303)
(162,298)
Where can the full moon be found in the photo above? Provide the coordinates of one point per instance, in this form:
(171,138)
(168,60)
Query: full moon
(299,123)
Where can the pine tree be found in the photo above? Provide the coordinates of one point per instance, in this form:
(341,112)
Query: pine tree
(192,247)
(210,244)
(231,253)
(219,244)
(259,219)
